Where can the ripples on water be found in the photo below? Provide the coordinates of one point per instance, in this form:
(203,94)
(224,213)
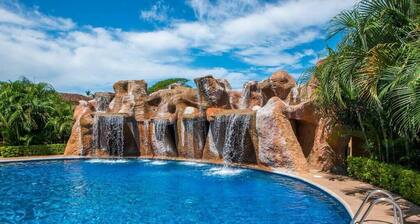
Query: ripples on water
(223,171)
(159,162)
(109,161)
(133,191)
(187,163)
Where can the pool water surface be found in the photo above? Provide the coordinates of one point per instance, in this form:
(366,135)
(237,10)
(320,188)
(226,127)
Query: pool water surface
(157,191)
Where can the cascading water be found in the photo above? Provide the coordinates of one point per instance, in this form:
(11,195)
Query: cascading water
(246,94)
(145,135)
(295,94)
(108,131)
(229,136)
(160,129)
(162,141)
(102,103)
(243,102)
(234,146)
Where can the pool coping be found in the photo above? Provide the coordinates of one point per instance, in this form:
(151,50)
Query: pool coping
(301,176)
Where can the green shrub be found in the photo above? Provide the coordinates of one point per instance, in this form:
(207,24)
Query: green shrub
(32,150)
(163,84)
(395,178)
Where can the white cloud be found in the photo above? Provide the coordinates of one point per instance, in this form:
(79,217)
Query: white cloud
(93,57)
(13,14)
(157,13)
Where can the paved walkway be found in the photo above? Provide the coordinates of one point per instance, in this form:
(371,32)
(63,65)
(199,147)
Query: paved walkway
(352,192)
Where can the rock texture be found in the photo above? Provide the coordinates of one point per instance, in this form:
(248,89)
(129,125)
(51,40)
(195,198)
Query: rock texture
(213,92)
(279,84)
(278,146)
(81,138)
(271,123)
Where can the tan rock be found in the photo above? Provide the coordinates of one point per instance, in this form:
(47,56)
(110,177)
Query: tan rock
(192,132)
(126,92)
(213,93)
(279,84)
(277,143)
(80,141)
(234,99)
(329,148)
(145,138)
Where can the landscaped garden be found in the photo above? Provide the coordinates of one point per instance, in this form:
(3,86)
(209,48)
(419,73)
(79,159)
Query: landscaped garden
(246,156)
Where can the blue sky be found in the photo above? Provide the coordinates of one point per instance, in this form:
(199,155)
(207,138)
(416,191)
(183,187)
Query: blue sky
(88,45)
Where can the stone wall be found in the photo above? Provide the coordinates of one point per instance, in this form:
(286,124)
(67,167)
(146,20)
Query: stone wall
(270,123)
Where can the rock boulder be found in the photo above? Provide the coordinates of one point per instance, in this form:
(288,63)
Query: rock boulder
(277,143)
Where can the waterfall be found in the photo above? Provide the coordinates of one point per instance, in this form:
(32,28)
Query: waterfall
(234,147)
(95,133)
(201,134)
(246,94)
(160,129)
(229,136)
(295,93)
(108,134)
(102,103)
(217,126)
(146,131)
(162,141)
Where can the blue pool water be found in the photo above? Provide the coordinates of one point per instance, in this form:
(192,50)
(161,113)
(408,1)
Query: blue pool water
(142,191)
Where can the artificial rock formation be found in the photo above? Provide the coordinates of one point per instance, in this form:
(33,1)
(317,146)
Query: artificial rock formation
(81,138)
(270,123)
(278,145)
(279,84)
(213,92)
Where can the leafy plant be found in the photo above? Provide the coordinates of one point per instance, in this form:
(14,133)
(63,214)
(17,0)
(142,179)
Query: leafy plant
(371,82)
(394,178)
(163,84)
(33,113)
(32,150)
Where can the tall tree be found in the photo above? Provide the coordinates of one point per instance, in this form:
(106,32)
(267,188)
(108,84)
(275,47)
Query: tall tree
(371,82)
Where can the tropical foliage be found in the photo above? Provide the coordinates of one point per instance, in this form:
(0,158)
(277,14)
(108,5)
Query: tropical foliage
(33,113)
(32,150)
(394,178)
(163,84)
(371,82)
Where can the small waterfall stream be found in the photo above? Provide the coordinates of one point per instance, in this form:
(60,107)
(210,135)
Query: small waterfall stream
(108,131)
(102,103)
(162,141)
(229,135)
(243,102)
(234,147)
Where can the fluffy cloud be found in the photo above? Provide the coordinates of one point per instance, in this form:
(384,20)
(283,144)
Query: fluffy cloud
(78,58)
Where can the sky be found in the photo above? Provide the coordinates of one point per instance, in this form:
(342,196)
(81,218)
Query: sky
(81,45)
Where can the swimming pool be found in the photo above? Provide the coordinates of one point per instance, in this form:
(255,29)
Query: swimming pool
(156,191)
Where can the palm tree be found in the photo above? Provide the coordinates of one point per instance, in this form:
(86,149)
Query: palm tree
(371,82)
(28,112)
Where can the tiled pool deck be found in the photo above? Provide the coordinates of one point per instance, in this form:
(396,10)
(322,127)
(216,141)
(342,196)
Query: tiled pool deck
(349,191)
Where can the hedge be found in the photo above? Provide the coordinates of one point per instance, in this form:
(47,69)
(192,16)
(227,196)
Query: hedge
(32,150)
(394,178)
